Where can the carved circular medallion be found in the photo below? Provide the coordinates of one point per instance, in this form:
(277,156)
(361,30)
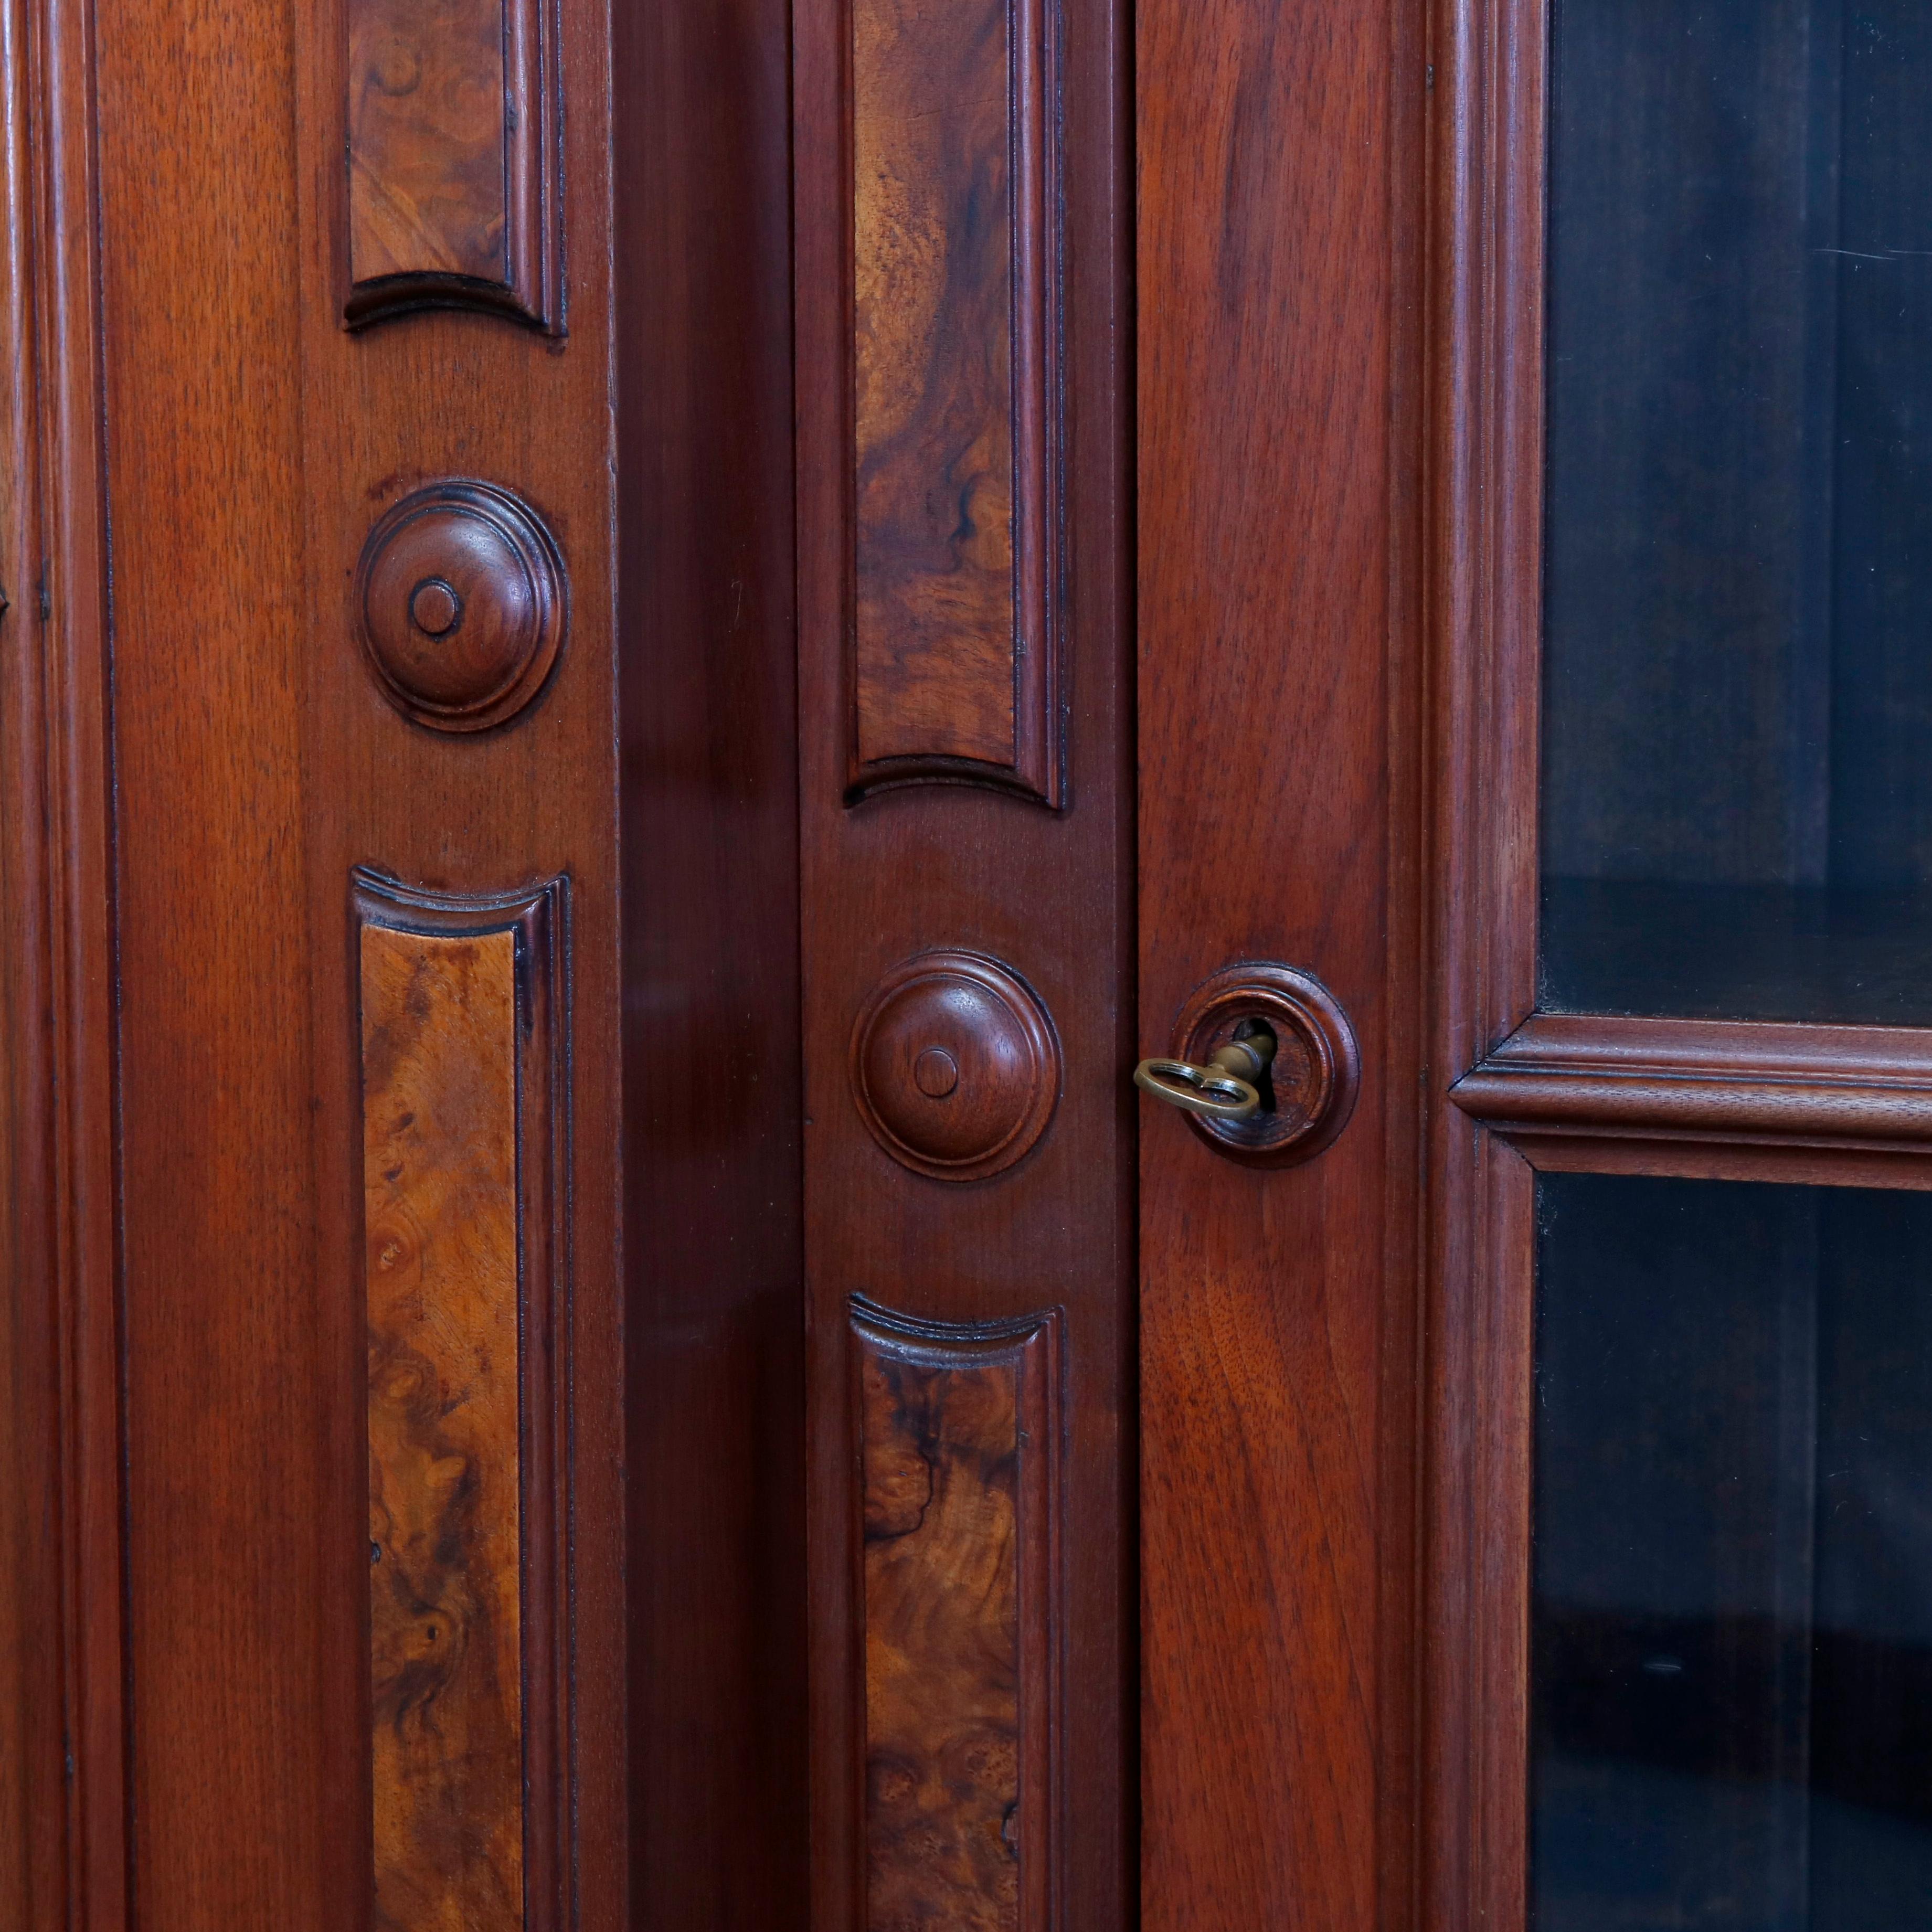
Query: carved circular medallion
(460,598)
(956,1066)
(1310,1088)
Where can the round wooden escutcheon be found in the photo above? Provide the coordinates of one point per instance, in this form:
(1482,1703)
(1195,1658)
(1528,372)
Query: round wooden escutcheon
(956,1066)
(1310,1089)
(459,599)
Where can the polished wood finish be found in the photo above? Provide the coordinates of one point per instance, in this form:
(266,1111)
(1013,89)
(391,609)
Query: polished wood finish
(956,510)
(1310,1085)
(956,1066)
(959,1426)
(971,867)
(195,1063)
(460,598)
(64,1729)
(719,1828)
(1278,698)
(462,1136)
(1483,453)
(1734,1080)
(439,1176)
(453,158)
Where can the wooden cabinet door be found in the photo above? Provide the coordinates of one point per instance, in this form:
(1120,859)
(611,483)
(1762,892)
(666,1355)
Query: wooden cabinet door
(647,648)
(666,671)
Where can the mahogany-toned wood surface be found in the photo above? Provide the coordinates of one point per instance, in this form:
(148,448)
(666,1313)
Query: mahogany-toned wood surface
(1276,711)
(1514,1091)
(1739,1080)
(1046,895)
(197,1069)
(719,1825)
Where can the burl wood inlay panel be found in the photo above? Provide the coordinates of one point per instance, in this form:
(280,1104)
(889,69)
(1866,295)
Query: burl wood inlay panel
(461,1592)
(452,194)
(955,644)
(958,1427)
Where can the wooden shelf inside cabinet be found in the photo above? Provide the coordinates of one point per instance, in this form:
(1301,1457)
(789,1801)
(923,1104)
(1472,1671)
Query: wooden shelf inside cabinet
(1604,1091)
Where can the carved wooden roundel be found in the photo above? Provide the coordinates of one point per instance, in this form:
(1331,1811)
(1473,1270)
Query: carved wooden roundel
(459,599)
(955,1065)
(1311,1086)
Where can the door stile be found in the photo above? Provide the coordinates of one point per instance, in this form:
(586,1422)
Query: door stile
(965,808)
(1278,392)
(1483,463)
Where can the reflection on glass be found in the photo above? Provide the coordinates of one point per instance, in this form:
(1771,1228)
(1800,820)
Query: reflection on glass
(1731,1635)
(1737,811)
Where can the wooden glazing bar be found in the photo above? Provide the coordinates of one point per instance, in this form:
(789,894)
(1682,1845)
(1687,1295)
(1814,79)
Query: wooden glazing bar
(1713,1078)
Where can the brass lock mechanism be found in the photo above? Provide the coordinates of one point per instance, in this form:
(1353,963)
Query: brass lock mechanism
(1228,1088)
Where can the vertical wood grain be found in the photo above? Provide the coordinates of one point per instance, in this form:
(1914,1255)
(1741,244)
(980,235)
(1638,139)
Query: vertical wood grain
(1275,660)
(979,866)
(225,1321)
(59,943)
(439,1178)
(33,1538)
(1486,239)
(955,656)
(958,1494)
(719,1833)
(387,408)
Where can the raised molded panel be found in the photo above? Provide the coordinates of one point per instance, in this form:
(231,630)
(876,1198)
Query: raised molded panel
(956,647)
(461,1134)
(959,1427)
(453,125)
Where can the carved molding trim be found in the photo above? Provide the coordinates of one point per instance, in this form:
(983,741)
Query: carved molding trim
(961,1425)
(1734,1081)
(455,159)
(955,643)
(955,1065)
(463,1026)
(461,603)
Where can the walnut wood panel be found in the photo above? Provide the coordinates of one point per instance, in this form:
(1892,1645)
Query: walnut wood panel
(956,628)
(452,154)
(958,1490)
(1278,697)
(973,868)
(1716,1079)
(460,1128)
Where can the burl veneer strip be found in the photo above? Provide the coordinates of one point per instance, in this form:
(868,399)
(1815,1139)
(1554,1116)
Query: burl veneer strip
(453,195)
(958,1430)
(465,1672)
(956,645)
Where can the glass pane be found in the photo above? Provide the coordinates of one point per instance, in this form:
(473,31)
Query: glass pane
(1737,812)
(1732,1626)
